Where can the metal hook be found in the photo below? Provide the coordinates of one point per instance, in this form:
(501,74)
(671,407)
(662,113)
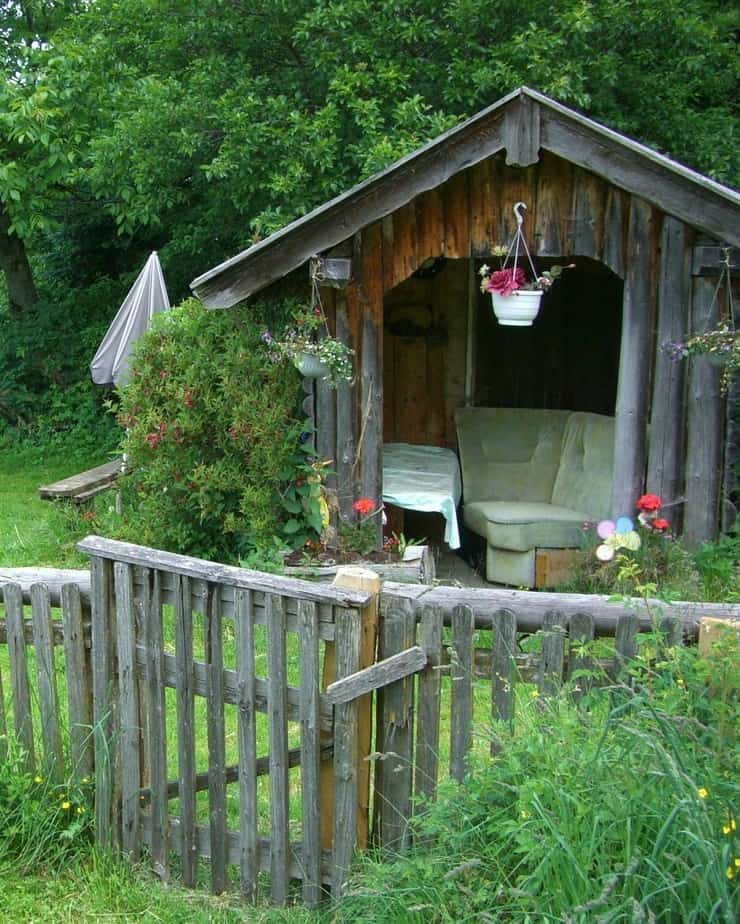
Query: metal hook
(519,218)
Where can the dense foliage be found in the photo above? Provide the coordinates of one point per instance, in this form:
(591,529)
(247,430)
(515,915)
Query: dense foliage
(212,437)
(128,126)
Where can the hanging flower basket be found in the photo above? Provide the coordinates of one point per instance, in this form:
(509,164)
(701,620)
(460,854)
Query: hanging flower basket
(518,309)
(310,366)
(516,300)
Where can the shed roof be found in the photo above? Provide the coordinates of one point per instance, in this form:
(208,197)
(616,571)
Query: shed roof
(523,122)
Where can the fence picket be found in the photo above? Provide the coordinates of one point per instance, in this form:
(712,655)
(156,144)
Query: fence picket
(625,642)
(77,673)
(346,739)
(278,737)
(427,723)
(128,743)
(461,705)
(503,668)
(308,620)
(552,658)
(671,631)
(102,667)
(3,723)
(247,735)
(46,680)
(152,610)
(19,686)
(393,772)
(581,632)
(213,642)
(185,702)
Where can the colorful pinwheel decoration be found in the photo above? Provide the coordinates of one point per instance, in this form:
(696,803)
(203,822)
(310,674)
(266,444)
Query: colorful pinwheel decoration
(616,535)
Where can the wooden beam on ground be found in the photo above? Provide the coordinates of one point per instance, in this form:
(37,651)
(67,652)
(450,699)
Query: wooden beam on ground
(84,485)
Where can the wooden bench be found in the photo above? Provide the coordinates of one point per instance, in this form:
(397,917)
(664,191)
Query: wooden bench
(79,488)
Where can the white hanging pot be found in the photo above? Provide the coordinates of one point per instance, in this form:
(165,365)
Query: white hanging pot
(518,309)
(310,366)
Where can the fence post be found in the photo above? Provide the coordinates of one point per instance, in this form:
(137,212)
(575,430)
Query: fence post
(102,621)
(581,632)
(43,642)
(461,675)
(427,725)
(15,627)
(550,675)
(503,674)
(77,672)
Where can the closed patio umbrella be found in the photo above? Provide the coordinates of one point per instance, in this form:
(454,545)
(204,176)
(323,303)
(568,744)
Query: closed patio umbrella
(147,296)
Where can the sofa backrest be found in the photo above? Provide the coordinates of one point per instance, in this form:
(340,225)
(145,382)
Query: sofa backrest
(509,453)
(584,478)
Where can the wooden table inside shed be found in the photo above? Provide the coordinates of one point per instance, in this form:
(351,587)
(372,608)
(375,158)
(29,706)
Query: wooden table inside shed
(82,487)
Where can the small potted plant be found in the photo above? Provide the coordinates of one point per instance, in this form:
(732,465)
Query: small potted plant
(313,351)
(720,346)
(516,300)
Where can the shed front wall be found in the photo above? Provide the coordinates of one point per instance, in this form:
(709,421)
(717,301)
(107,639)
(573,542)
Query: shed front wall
(570,212)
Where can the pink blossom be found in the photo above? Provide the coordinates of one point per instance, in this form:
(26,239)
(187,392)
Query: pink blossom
(506,281)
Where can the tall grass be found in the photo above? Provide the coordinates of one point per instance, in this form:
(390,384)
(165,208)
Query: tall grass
(624,811)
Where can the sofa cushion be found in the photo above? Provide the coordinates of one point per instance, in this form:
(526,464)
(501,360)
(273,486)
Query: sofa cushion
(584,479)
(509,453)
(520,526)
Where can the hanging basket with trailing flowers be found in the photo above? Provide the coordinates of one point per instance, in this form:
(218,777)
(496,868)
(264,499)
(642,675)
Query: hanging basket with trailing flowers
(516,300)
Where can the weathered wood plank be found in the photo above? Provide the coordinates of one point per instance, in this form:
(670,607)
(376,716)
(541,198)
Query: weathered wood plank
(326,409)
(153,640)
(516,184)
(630,427)
(554,185)
(3,723)
(483,207)
(46,681)
(278,737)
(625,644)
(531,606)
(346,434)
(310,752)
(101,579)
(77,671)
(550,675)
(521,132)
(615,231)
(54,578)
(429,226)
(426,765)
(345,753)
(216,573)
(503,641)
(587,225)
(19,685)
(129,731)
(581,632)
(247,738)
(396,667)
(94,479)
(213,645)
(405,259)
(456,216)
(185,706)
(461,704)
(393,773)
(704,423)
(667,432)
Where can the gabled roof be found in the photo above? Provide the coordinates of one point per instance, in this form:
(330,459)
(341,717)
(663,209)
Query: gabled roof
(523,122)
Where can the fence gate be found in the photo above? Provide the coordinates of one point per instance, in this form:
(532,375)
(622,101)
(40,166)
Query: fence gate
(213,737)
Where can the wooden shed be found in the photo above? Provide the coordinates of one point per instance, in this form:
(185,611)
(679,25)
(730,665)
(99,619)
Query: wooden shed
(646,236)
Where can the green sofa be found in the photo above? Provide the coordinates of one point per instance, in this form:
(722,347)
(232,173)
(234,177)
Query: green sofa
(530,480)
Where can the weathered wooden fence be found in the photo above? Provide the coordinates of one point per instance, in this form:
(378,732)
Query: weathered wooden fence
(178,672)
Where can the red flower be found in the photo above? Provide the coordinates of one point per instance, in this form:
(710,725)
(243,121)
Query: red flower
(506,281)
(660,524)
(364,505)
(649,502)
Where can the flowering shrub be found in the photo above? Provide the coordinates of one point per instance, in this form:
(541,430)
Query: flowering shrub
(361,536)
(212,438)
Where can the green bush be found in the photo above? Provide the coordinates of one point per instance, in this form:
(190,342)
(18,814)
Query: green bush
(42,823)
(624,811)
(212,437)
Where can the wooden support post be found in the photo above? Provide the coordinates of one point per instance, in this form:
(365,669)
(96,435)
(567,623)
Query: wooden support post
(704,440)
(354,578)
(103,630)
(630,429)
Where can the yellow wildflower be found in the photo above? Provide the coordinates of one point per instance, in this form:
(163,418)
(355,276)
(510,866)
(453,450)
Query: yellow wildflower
(534,694)
(38,779)
(85,779)
(524,814)
(730,872)
(729,827)
(66,805)
(737,862)
(80,809)
(702,792)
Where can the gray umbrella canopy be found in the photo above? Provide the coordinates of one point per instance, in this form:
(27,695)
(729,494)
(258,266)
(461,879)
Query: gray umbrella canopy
(147,296)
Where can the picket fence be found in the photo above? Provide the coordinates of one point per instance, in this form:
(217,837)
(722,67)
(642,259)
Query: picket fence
(130,637)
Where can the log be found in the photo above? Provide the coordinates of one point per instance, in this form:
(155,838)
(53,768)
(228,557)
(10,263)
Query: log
(54,578)
(417,568)
(530,607)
